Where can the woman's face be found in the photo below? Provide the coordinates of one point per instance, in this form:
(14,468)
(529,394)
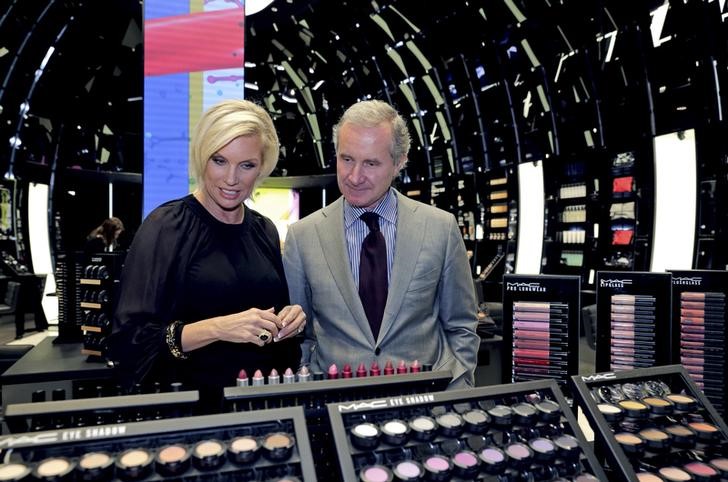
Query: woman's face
(229,177)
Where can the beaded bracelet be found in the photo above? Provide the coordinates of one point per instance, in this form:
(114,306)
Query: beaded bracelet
(174,340)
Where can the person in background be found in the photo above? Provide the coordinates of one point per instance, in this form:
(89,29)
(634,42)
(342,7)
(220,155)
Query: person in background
(394,285)
(203,292)
(105,236)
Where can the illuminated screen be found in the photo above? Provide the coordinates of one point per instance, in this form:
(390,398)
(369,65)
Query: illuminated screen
(279,205)
(193,58)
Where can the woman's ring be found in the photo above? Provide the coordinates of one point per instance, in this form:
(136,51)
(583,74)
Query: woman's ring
(264,336)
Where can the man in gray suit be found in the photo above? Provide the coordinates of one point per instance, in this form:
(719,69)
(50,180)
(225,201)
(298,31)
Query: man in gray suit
(430,310)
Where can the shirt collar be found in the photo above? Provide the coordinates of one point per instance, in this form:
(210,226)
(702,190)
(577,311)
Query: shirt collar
(386,208)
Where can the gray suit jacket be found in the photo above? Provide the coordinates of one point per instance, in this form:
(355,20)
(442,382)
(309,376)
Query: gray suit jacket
(431,307)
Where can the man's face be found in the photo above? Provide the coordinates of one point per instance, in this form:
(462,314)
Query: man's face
(364,166)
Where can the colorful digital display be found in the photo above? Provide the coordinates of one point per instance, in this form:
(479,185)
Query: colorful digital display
(193,58)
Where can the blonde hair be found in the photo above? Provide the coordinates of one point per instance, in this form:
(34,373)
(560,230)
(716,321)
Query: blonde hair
(226,121)
(371,113)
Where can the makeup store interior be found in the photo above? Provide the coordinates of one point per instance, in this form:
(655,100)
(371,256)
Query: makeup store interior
(579,147)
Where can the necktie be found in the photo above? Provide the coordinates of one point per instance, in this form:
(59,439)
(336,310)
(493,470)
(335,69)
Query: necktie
(373,273)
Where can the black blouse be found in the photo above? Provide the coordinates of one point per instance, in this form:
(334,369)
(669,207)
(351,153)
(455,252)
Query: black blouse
(186,265)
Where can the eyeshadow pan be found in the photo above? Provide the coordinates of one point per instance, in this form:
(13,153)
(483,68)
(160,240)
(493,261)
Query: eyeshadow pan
(543,448)
(95,466)
(14,471)
(375,473)
(365,435)
(634,408)
(721,465)
(408,470)
(476,421)
(674,474)
(244,449)
(395,432)
(134,463)
(438,467)
(611,413)
(704,430)
(451,424)
(656,439)
(682,435)
(208,454)
(173,460)
(53,467)
(630,443)
(494,460)
(682,402)
(423,428)
(278,446)
(700,470)
(648,477)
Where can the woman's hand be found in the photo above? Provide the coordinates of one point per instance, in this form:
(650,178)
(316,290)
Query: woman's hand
(293,321)
(252,326)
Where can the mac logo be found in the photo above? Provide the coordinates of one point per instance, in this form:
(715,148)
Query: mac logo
(533,287)
(356,406)
(685,281)
(614,283)
(599,376)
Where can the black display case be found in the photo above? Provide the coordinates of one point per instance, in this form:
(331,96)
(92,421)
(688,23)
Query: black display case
(60,413)
(653,422)
(540,327)
(266,445)
(633,320)
(314,395)
(699,330)
(521,431)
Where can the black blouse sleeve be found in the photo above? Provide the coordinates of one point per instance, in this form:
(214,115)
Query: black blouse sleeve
(146,298)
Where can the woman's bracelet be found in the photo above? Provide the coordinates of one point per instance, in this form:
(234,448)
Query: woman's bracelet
(174,340)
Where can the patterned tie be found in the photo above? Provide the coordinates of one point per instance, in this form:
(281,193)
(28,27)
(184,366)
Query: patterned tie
(373,273)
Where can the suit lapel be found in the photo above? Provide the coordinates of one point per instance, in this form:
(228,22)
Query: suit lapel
(410,233)
(330,232)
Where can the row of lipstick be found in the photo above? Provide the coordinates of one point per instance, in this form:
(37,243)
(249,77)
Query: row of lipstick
(306,375)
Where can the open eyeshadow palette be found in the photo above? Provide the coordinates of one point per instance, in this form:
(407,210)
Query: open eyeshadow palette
(654,424)
(267,445)
(633,313)
(541,325)
(55,414)
(314,395)
(521,431)
(699,320)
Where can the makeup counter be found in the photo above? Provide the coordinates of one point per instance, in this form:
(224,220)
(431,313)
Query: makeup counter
(652,411)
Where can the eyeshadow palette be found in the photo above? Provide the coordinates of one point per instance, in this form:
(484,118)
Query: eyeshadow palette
(520,431)
(541,324)
(57,413)
(268,445)
(633,313)
(653,424)
(699,334)
(314,395)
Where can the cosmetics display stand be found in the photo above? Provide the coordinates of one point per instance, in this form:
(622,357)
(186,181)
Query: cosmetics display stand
(55,414)
(521,431)
(653,424)
(49,366)
(266,445)
(98,283)
(699,330)
(314,395)
(633,320)
(540,327)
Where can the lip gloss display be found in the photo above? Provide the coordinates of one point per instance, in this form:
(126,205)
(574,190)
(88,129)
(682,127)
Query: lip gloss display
(519,431)
(633,320)
(699,333)
(541,324)
(653,424)
(270,445)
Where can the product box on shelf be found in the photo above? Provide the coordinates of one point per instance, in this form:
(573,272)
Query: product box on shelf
(653,424)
